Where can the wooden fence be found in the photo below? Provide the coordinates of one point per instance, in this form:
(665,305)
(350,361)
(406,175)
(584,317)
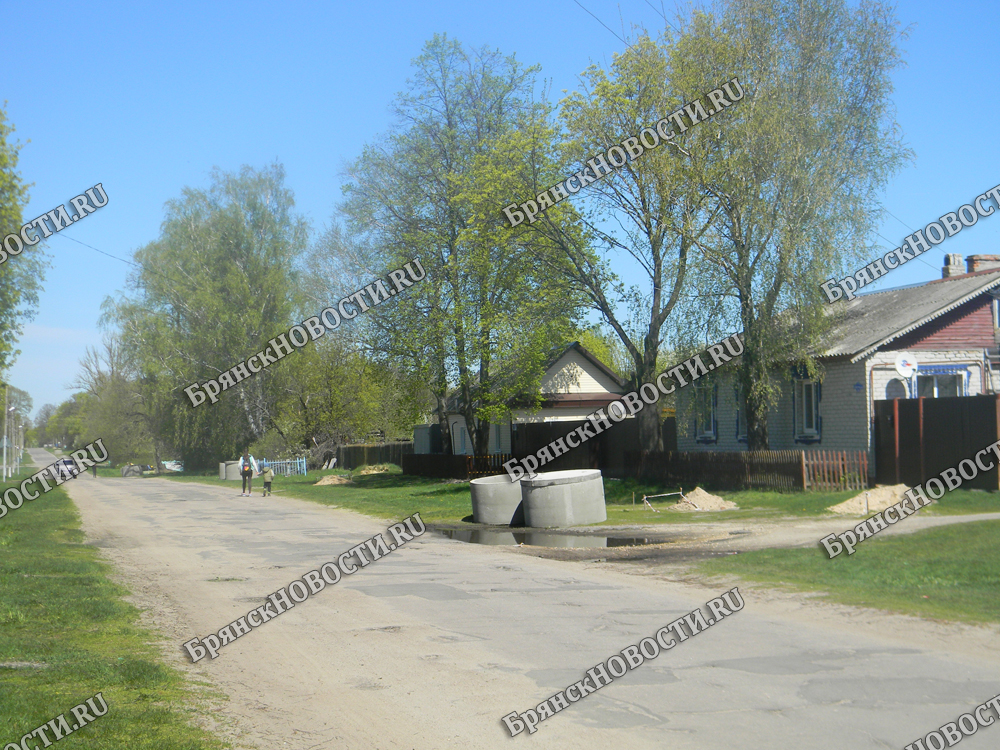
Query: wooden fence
(484,466)
(834,470)
(353,456)
(758,470)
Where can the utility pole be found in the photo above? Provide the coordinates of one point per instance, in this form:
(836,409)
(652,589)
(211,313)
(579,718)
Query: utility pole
(6,415)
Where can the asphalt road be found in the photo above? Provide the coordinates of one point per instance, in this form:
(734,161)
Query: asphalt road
(431,645)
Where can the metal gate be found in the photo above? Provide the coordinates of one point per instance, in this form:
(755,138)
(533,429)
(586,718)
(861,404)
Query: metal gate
(918,438)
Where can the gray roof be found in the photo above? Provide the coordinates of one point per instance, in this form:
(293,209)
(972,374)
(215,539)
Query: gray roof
(873,320)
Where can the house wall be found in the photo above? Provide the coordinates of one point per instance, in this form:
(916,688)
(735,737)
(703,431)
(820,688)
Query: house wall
(574,373)
(460,435)
(846,407)
(969,326)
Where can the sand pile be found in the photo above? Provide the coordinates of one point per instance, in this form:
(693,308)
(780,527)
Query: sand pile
(332,479)
(378,469)
(698,499)
(879,498)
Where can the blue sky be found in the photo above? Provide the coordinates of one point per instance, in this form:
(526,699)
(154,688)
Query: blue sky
(147,99)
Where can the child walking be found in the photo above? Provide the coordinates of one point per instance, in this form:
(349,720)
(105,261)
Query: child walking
(268,475)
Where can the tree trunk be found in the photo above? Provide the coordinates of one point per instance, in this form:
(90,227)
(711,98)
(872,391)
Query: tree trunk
(650,434)
(753,376)
(443,423)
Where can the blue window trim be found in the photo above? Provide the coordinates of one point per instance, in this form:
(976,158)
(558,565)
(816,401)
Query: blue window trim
(956,369)
(714,438)
(808,439)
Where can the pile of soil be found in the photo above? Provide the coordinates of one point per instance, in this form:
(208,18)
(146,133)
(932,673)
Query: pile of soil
(332,479)
(879,498)
(698,499)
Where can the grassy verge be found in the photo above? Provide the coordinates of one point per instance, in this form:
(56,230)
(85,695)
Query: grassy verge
(66,634)
(388,495)
(395,495)
(950,573)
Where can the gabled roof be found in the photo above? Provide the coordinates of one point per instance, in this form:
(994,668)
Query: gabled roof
(870,321)
(590,357)
(452,402)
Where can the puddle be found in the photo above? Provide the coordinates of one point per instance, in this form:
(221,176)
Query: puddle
(544,539)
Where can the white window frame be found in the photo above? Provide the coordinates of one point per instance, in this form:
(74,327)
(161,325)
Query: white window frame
(936,375)
(741,416)
(801,431)
(711,434)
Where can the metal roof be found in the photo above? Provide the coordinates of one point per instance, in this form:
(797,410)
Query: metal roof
(873,320)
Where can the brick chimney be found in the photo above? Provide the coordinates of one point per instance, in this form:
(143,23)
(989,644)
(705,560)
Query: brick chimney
(953,265)
(982,262)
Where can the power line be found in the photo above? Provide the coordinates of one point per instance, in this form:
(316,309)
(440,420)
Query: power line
(603,24)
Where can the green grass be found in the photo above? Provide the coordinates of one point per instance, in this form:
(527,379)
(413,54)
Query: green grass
(949,573)
(395,495)
(59,609)
(390,495)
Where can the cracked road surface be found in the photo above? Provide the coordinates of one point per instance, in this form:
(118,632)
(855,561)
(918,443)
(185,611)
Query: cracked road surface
(431,645)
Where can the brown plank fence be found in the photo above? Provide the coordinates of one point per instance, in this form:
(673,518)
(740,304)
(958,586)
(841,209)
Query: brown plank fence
(484,466)
(759,470)
(353,456)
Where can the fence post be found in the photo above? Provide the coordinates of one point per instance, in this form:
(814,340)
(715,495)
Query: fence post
(803,457)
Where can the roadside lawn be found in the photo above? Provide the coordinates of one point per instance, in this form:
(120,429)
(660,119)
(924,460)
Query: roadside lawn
(393,495)
(66,634)
(949,573)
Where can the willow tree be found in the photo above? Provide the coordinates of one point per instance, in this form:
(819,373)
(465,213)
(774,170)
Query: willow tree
(214,288)
(485,317)
(796,171)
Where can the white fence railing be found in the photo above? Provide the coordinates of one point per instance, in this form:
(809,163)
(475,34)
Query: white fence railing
(287,468)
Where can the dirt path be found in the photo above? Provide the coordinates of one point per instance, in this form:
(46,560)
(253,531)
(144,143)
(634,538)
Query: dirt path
(431,645)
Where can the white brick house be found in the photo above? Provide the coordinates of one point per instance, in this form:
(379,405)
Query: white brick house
(949,326)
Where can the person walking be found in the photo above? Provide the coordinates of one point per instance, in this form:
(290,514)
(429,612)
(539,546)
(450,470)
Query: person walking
(248,467)
(268,477)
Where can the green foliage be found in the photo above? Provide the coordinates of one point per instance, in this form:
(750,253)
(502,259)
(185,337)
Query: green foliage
(487,313)
(21,275)
(217,285)
(794,170)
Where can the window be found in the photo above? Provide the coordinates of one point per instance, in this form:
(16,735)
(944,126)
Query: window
(704,413)
(807,419)
(741,416)
(939,386)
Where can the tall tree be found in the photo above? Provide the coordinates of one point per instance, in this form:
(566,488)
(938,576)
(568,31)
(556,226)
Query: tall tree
(644,216)
(486,314)
(217,285)
(116,411)
(796,170)
(21,276)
